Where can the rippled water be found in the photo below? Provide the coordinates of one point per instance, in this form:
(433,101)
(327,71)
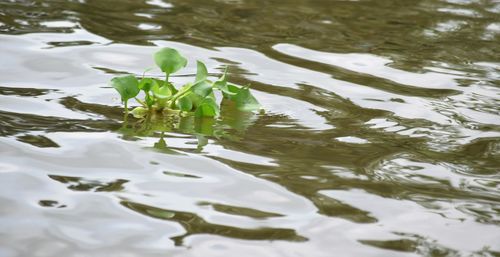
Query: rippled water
(381,135)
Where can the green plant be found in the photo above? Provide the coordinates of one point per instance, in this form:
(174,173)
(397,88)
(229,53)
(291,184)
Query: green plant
(196,98)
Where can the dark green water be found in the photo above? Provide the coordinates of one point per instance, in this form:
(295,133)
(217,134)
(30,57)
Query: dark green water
(381,135)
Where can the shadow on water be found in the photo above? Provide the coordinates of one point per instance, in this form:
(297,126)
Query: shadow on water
(193,224)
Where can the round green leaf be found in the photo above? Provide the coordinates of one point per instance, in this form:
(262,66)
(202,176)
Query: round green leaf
(169,60)
(162,92)
(146,84)
(127,86)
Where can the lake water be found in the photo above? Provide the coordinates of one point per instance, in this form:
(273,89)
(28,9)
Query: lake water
(381,135)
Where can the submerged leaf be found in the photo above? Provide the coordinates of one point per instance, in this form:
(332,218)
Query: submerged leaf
(127,86)
(169,60)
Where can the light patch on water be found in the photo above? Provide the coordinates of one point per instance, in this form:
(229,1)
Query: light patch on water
(381,123)
(495,27)
(352,140)
(149,26)
(492,70)
(372,65)
(41,106)
(451,232)
(492,31)
(160,3)
(450,26)
(235,2)
(460,12)
(146,15)
(220,152)
(495,9)
(462,2)
(21,22)
(59,24)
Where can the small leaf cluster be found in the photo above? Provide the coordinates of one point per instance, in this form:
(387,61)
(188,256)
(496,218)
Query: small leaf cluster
(195,98)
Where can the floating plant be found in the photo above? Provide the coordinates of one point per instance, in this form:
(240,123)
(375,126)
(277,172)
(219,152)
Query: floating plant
(196,98)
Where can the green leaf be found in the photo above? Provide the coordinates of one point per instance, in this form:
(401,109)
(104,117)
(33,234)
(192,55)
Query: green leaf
(202,88)
(169,60)
(127,86)
(171,87)
(245,101)
(201,72)
(222,81)
(195,99)
(162,92)
(159,82)
(184,103)
(149,100)
(212,95)
(146,84)
(230,91)
(167,84)
(207,108)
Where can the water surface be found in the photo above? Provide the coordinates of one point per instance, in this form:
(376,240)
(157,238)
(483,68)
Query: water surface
(381,135)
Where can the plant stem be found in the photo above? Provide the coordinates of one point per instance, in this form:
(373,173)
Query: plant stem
(148,97)
(141,102)
(166,79)
(126,112)
(179,94)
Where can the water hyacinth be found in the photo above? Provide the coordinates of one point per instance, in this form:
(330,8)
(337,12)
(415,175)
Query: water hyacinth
(196,98)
